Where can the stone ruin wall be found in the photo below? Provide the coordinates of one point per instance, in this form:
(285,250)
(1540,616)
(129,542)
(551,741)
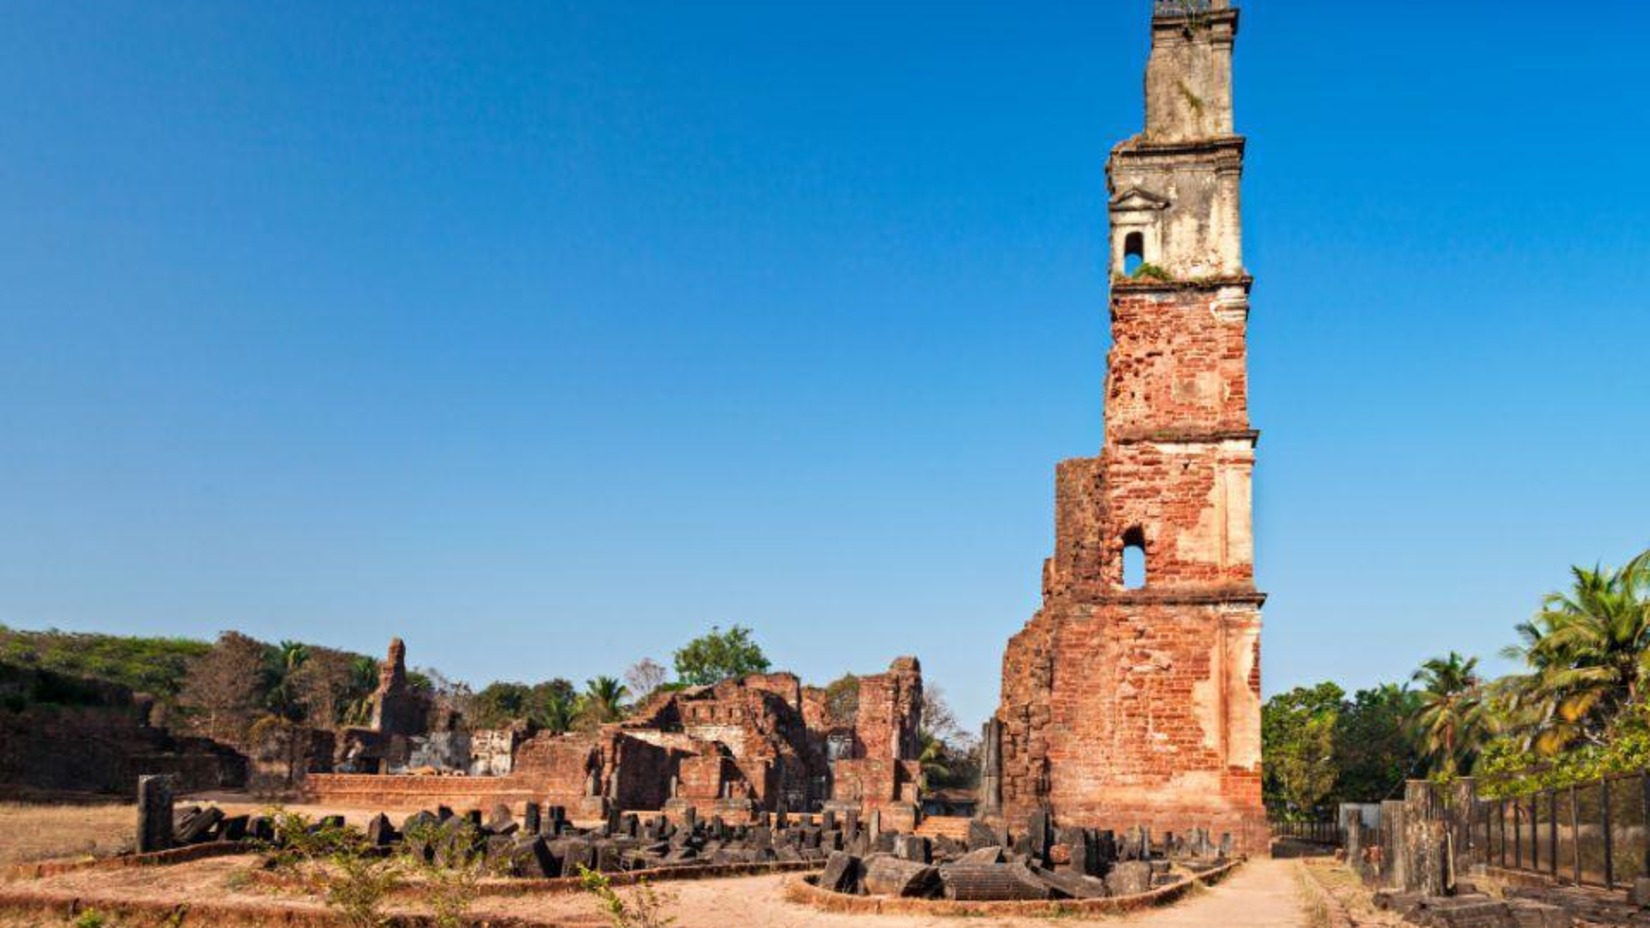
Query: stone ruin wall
(105,750)
(100,746)
(741,747)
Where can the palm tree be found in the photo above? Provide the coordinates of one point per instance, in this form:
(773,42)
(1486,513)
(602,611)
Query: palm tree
(1588,650)
(1450,724)
(934,758)
(602,700)
(363,684)
(284,663)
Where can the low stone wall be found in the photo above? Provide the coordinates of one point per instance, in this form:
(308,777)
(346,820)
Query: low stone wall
(370,791)
(177,855)
(806,893)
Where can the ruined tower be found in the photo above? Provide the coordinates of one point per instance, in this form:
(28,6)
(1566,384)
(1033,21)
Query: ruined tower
(1137,700)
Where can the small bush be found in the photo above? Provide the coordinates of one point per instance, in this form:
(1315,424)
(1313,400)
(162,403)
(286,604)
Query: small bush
(91,918)
(1149,271)
(644,909)
(451,871)
(336,863)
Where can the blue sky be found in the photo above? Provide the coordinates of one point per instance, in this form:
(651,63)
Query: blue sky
(547,335)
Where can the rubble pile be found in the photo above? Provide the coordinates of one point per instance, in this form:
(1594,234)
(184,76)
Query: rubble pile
(1469,908)
(1043,862)
(543,843)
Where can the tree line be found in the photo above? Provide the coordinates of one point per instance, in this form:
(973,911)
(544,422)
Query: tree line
(1575,709)
(255,694)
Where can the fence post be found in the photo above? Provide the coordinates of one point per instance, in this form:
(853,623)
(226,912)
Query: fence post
(1575,833)
(1518,837)
(1535,835)
(1503,813)
(1644,820)
(1552,832)
(1609,835)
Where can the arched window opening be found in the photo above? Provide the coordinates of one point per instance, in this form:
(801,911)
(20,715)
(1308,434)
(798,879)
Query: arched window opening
(1134,252)
(1134,559)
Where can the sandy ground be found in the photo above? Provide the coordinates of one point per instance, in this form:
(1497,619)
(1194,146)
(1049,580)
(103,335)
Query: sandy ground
(32,831)
(1262,893)
(35,832)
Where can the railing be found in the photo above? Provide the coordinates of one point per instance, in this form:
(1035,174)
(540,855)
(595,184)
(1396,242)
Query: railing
(1328,833)
(1186,7)
(1594,833)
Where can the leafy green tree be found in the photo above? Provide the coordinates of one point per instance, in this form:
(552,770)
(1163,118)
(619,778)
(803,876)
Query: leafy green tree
(549,705)
(1298,739)
(1374,750)
(718,656)
(1450,725)
(553,705)
(498,704)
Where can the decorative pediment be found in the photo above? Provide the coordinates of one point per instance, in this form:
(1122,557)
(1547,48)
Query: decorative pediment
(1135,199)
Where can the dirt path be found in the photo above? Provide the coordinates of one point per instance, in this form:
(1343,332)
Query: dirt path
(1261,894)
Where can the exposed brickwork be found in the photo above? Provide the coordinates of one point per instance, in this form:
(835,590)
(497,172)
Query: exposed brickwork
(397,708)
(742,746)
(1142,706)
(105,750)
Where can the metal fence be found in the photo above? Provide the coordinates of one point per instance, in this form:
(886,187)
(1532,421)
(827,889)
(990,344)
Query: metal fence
(1593,833)
(1329,833)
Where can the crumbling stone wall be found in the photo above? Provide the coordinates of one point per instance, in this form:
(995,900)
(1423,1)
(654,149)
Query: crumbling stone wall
(105,750)
(1141,705)
(737,748)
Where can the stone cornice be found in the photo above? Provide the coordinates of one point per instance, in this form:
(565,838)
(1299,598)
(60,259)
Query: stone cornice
(1183,596)
(1141,146)
(1153,285)
(1184,436)
(1229,15)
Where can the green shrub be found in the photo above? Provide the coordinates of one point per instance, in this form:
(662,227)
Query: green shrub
(644,909)
(1149,271)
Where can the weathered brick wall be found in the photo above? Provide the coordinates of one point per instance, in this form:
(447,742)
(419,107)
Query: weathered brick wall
(702,777)
(742,743)
(560,766)
(1142,706)
(1177,362)
(886,740)
(643,771)
(372,791)
(105,750)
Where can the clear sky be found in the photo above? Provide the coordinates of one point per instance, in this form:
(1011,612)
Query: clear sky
(547,335)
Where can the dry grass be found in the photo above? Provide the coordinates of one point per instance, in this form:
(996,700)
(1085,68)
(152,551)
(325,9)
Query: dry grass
(1314,901)
(30,832)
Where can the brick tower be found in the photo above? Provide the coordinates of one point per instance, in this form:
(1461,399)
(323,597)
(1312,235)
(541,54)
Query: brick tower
(1137,701)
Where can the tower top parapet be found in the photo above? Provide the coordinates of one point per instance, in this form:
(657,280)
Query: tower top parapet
(1177,8)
